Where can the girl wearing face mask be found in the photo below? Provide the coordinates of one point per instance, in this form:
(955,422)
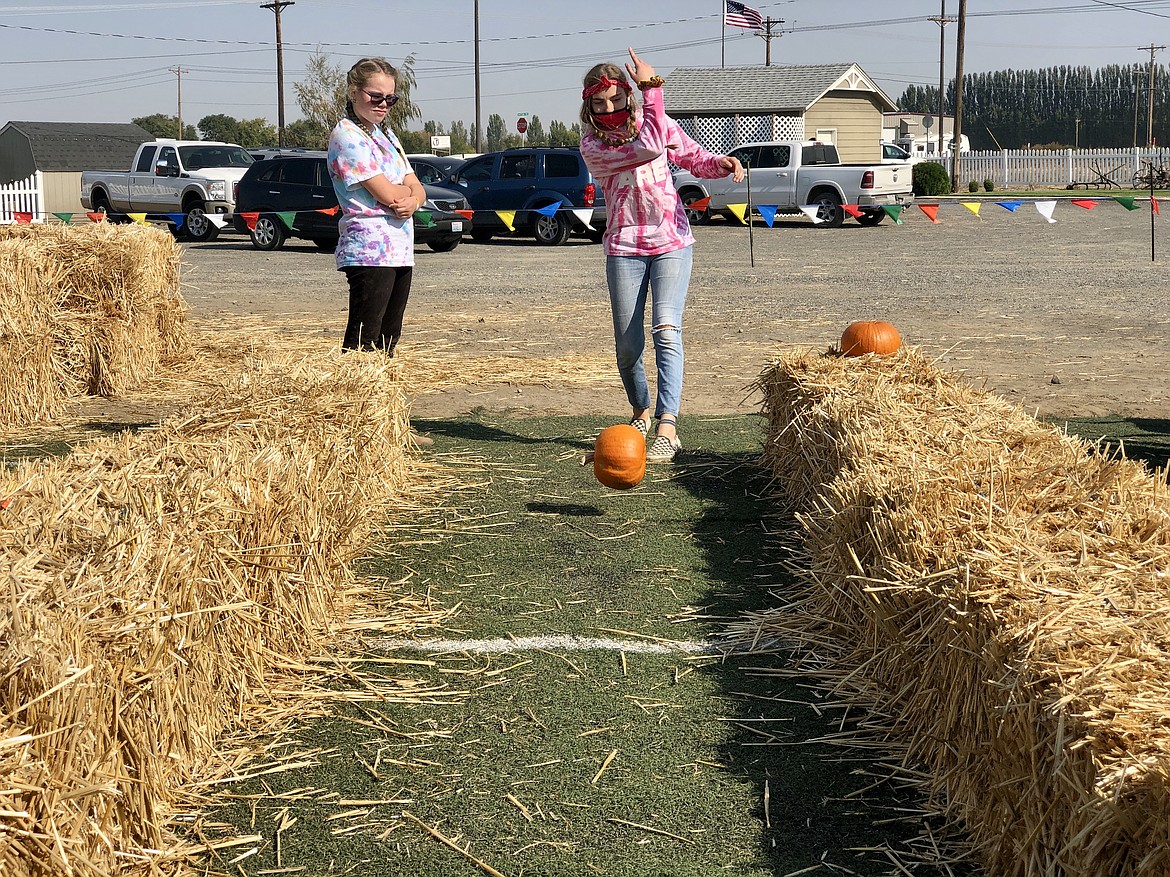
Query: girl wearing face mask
(647,239)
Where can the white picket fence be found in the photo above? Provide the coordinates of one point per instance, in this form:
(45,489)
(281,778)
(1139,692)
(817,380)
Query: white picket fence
(1082,168)
(23,196)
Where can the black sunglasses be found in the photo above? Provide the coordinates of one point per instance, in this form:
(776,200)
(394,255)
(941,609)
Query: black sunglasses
(388,99)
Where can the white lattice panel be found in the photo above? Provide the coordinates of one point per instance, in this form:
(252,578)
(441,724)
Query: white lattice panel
(715,134)
(788,127)
(754,129)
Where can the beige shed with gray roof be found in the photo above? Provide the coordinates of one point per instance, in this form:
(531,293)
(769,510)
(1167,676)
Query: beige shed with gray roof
(722,107)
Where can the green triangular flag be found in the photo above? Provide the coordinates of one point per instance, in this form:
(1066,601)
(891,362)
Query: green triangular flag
(894,211)
(288,217)
(424,216)
(64,217)
(1125,201)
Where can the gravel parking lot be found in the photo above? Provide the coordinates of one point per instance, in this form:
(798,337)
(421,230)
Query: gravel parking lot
(1069,318)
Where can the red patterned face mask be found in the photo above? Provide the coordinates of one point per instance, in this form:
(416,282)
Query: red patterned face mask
(616,119)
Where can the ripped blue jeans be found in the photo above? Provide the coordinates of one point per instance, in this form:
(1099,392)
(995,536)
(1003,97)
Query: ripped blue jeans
(664,278)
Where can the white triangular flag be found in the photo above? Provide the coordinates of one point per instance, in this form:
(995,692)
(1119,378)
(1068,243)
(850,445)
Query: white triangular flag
(216,219)
(584,215)
(1046,208)
(812,211)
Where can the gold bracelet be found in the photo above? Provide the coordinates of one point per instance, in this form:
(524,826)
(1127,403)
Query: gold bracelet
(652,82)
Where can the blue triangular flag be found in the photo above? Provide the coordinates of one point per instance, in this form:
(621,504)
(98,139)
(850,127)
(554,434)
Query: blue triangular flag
(178,219)
(1010,206)
(550,210)
(769,213)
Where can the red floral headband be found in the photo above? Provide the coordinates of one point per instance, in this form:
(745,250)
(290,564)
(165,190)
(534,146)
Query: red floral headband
(605,83)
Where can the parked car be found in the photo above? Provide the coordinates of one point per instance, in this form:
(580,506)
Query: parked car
(436,170)
(894,154)
(192,177)
(524,180)
(298,182)
(792,174)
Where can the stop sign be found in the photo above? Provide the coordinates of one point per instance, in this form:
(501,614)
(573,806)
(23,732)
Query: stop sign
(521,124)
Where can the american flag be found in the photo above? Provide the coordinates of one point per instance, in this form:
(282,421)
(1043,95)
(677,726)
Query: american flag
(738,15)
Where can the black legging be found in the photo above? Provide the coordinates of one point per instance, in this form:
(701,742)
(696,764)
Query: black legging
(377,301)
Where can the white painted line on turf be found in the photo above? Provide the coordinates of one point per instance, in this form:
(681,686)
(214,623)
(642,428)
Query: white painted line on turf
(505,645)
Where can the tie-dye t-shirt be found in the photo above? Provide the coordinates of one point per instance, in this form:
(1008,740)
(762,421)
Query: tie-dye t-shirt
(370,234)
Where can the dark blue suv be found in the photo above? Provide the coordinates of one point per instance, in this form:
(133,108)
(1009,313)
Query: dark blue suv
(522,181)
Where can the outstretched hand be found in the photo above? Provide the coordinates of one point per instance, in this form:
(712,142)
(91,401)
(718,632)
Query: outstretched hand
(640,71)
(733,166)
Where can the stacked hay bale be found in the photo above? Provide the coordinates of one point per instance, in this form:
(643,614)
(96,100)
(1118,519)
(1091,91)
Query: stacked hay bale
(101,303)
(995,588)
(154,581)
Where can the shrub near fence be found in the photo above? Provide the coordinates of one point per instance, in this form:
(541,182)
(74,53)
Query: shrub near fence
(1045,167)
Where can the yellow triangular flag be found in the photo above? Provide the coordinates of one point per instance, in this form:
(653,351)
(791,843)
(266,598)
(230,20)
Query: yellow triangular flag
(508,217)
(973,206)
(740,210)
(138,217)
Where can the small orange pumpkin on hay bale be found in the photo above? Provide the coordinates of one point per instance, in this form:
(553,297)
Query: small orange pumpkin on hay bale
(870,336)
(619,457)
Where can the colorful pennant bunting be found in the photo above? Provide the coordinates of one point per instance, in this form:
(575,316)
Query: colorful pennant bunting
(550,209)
(1086,203)
(931,211)
(1010,206)
(1125,201)
(508,217)
(288,217)
(700,205)
(96,217)
(894,211)
(739,211)
(426,218)
(973,206)
(813,212)
(64,217)
(769,214)
(584,216)
(1046,208)
(852,209)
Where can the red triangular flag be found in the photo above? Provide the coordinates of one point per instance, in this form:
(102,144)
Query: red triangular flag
(250,220)
(96,217)
(22,217)
(701,204)
(931,211)
(1084,202)
(466,214)
(852,209)
(1154,206)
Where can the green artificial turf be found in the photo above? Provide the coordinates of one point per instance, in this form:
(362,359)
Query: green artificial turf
(512,771)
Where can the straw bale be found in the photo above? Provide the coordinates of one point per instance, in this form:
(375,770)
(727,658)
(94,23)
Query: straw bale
(156,580)
(29,384)
(997,590)
(117,312)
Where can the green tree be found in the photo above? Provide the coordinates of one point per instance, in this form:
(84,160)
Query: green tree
(558,134)
(306,134)
(257,132)
(220,127)
(535,132)
(321,94)
(160,125)
(496,132)
(460,142)
(415,141)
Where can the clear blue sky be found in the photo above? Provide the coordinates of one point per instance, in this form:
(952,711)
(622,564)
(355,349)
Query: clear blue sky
(88,61)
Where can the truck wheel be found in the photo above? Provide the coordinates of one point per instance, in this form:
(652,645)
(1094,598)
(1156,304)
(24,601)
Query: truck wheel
(551,231)
(199,227)
(268,233)
(695,217)
(446,245)
(829,209)
(872,217)
(481,235)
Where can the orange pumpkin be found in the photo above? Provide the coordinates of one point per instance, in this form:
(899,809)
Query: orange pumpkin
(619,456)
(870,336)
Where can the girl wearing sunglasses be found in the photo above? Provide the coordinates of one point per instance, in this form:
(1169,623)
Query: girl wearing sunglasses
(378,193)
(647,239)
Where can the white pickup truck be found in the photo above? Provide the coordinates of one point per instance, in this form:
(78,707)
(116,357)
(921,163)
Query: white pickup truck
(192,177)
(789,175)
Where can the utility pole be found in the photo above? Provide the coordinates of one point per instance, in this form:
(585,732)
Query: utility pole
(768,35)
(942,21)
(179,71)
(276,6)
(1137,73)
(478,120)
(957,128)
(1150,79)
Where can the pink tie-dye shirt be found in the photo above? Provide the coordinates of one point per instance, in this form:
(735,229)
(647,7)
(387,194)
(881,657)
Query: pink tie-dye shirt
(645,214)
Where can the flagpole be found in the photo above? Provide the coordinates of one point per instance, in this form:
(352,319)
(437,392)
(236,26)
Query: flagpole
(723,35)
